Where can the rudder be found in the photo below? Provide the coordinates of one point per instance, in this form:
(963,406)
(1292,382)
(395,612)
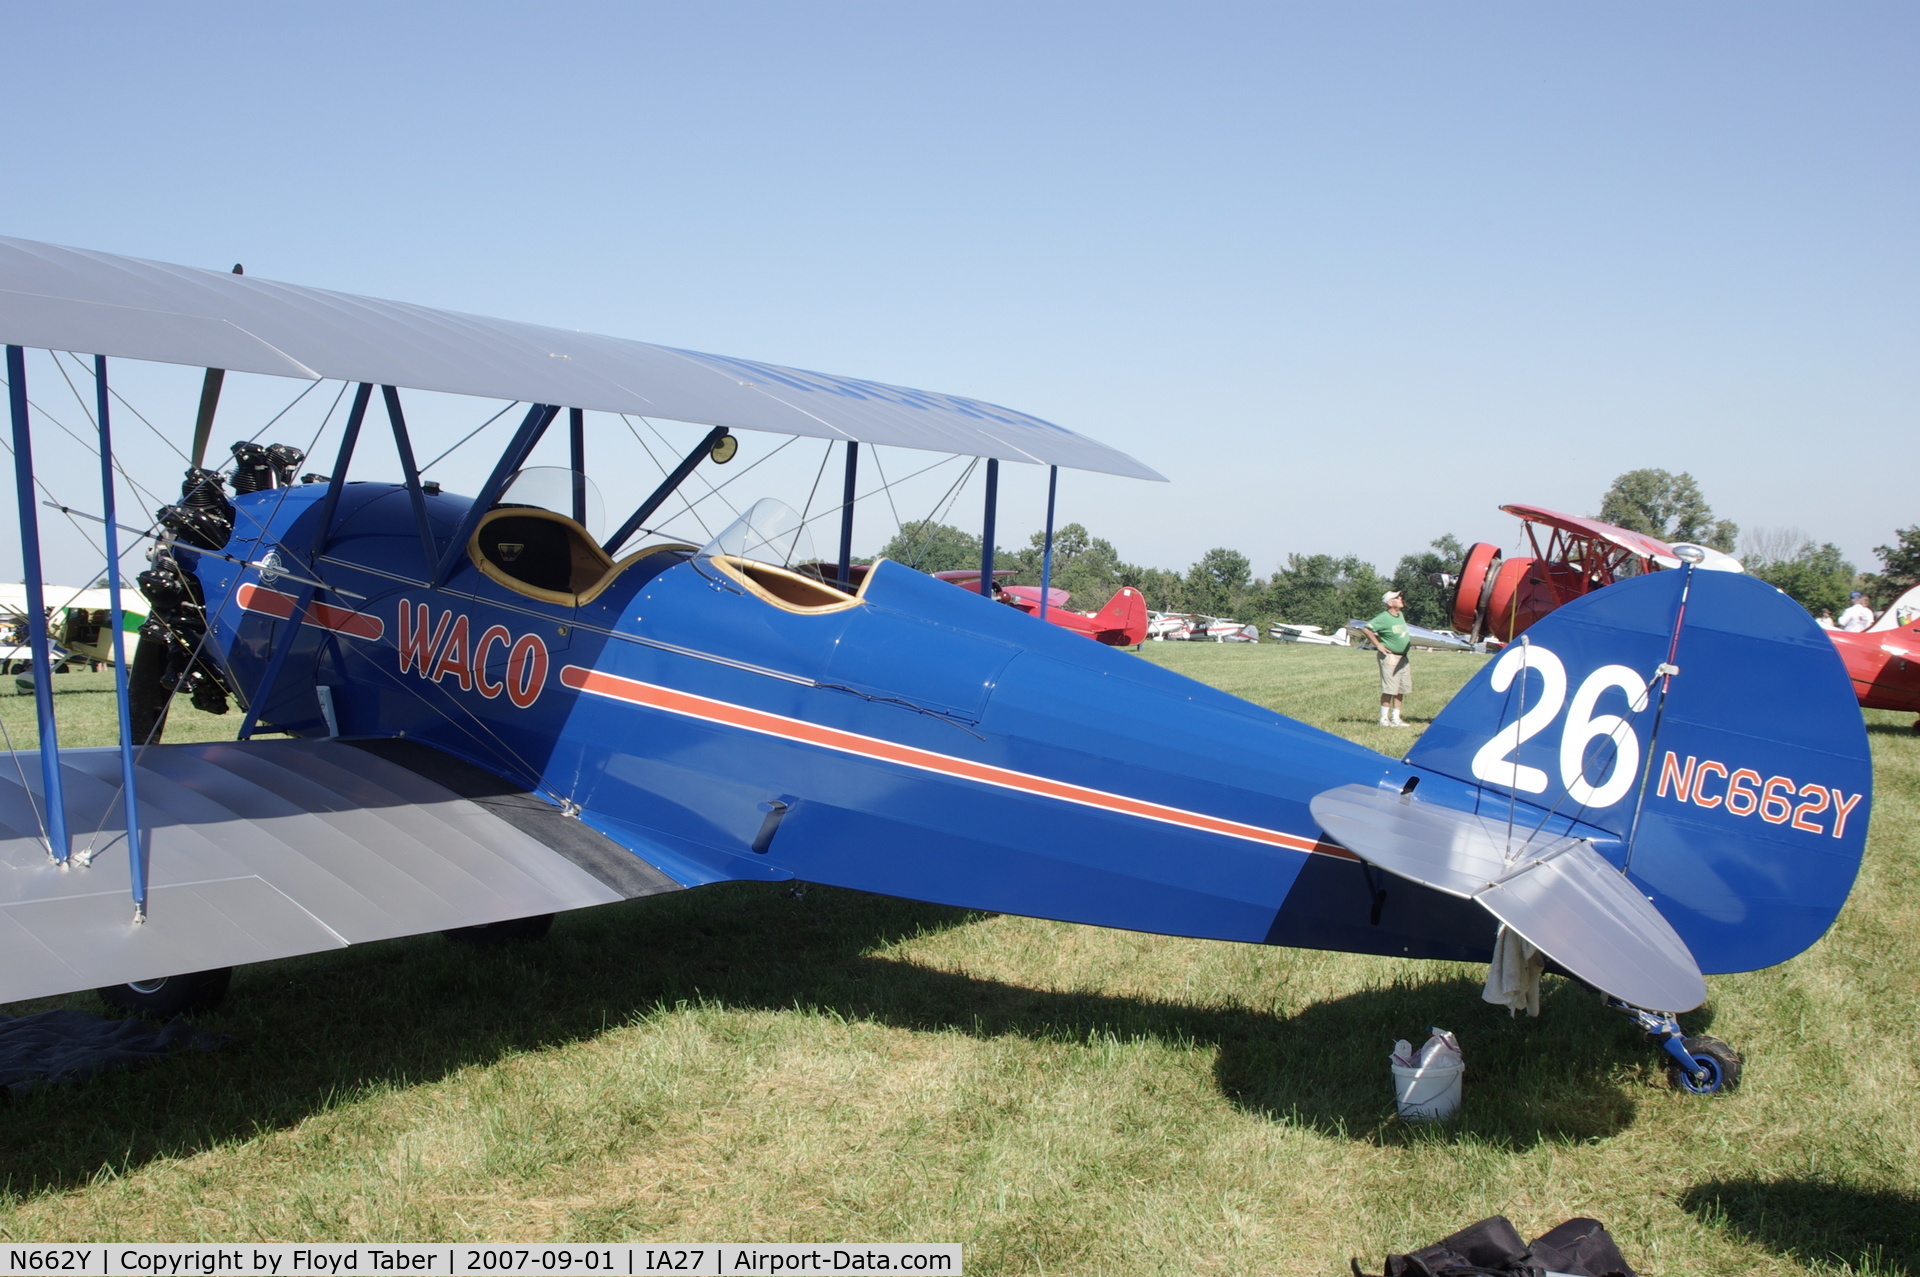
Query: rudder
(1754,764)
(1126,616)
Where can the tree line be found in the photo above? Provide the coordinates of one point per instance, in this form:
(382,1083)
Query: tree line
(1327,590)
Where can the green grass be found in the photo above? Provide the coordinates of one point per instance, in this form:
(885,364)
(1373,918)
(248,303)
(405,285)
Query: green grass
(744,1062)
(84,710)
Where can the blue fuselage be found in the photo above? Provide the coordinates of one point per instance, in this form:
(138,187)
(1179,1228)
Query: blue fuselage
(926,742)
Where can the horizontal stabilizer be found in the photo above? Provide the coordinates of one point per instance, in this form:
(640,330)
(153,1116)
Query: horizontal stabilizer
(1558,893)
(267,849)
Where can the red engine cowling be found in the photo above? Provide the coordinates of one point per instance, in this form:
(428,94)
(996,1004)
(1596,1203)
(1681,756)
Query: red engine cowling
(1523,591)
(1470,593)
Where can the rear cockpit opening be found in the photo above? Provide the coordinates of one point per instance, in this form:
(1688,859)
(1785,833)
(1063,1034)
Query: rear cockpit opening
(769,551)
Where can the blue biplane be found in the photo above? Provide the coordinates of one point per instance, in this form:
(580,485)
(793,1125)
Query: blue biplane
(495,715)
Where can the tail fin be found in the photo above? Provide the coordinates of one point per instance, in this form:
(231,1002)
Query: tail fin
(1124,618)
(1738,787)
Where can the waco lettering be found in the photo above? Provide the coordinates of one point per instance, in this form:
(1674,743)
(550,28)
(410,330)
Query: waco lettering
(492,662)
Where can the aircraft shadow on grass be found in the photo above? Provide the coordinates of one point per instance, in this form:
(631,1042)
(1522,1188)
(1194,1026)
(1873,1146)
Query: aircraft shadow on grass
(1817,1222)
(307,1030)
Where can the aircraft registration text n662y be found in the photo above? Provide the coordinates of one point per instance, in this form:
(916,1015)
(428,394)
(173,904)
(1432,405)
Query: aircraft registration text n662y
(1747,795)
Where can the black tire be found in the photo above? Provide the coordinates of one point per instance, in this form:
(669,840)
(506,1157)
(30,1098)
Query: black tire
(172,995)
(495,935)
(147,699)
(1721,1062)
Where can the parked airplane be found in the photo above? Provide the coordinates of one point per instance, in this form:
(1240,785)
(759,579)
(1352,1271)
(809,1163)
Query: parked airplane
(1168,625)
(498,716)
(1282,632)
(1883,660)
(1421,636)
(1501,597)
(1121,623)
(1196,627)
(80,618)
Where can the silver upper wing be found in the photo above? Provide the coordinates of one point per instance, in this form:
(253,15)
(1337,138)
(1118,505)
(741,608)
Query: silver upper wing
(55,298)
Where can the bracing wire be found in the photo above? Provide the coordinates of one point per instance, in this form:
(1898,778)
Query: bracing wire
(255,436)
(46,839)
(825,456)
(832,510)
(157,432)
(47,492)
(940,512)
(705,531)
(1513,788)
(85,411)
(465,438)
(713,490)
(886,487)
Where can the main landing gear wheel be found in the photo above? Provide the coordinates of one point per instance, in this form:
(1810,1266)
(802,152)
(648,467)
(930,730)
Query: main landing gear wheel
(1717,1067)
(170,995)
(495,935)
(147,697)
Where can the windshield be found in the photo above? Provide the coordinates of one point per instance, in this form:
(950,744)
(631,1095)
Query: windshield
(769,531)
(552,488)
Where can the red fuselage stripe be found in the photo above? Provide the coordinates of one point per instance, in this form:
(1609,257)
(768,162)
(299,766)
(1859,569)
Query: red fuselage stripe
(341,620)
(665,698)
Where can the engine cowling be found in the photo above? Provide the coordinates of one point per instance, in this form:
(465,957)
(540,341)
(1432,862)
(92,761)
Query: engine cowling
(1470,591)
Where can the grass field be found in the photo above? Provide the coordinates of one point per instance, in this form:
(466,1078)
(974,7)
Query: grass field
(753,1062)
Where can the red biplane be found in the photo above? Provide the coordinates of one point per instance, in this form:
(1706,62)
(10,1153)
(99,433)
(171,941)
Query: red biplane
(1499,597)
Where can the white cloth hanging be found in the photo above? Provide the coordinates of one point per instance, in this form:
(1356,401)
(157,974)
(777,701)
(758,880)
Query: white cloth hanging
(1513,978)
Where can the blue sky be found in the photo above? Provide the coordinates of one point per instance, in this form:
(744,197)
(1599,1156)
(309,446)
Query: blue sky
(1350,275)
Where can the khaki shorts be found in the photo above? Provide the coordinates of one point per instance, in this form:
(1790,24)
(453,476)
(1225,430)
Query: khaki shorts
(1396,675)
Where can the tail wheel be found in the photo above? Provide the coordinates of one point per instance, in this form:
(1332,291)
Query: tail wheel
(170,995)
(1719,1063)
(1476,572)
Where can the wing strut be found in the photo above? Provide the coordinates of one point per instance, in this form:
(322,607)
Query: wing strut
(532,426)
(337,483)
(577,454)
(36,605)
(1046,554)
(137,867)
(986,528)
(846,515)
(404,446)
(665,490)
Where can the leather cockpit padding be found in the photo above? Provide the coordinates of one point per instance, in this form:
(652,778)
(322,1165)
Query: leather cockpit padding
(540,552)
(594,852)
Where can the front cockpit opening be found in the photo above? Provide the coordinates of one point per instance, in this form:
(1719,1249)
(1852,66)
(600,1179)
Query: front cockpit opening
(529,542)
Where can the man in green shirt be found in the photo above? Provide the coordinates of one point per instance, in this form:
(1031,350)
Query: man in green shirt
(1388,634)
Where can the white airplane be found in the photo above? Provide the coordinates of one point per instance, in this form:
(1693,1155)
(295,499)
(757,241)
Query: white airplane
(1421,636)
(77,619)
(1283,632)
(1166,625)
(1221,630)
